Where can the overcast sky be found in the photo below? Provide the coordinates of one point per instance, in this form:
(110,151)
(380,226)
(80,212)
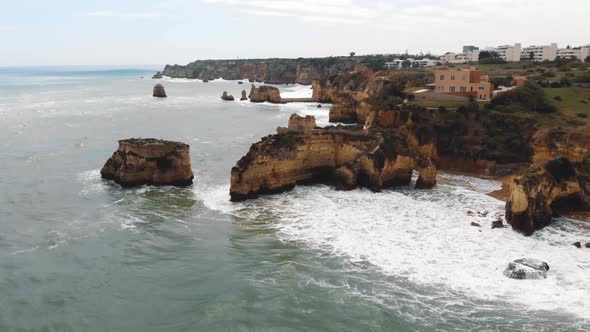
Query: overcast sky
(91,32)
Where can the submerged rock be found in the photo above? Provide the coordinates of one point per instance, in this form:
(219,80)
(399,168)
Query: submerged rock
(244,96)
(149,161)
(227,97)
(159,91)
(577,244)
(240,82)
(498,223)
(474,224)
(527,269)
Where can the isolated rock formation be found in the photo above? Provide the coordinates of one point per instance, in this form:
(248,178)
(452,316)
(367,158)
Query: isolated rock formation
(527,269)
(159,91)
(149,161)
(158,75)
(346,157)
(558,182)
(227,97)
(265,93)
(298,124)
(244,95)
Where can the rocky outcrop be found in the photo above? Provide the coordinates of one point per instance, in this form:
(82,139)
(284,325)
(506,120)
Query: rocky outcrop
(549,143)
(298,124)
(227,97)
(346,157)
(158,75)
(159,91)
(244,95)
(265,93)
(534,195)
(149,161)
(527,269)
(270,71)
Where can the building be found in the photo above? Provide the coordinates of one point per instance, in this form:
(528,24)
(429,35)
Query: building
(509,53)
(469,48)
(539,53)
(410,63)
(576,53)
(463,82)
(470,56)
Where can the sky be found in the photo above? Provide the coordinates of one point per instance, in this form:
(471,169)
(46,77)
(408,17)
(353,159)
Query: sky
(158,32)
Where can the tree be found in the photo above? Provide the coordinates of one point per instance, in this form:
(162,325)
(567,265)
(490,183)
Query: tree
(406,64)
(484,55)
(352,54)
(532,56)
(587,60)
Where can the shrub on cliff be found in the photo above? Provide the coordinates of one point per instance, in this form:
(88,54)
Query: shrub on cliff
(529,97)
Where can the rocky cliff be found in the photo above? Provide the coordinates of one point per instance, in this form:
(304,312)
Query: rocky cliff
(149,161)
(542,188)
(270,71)
(346,157)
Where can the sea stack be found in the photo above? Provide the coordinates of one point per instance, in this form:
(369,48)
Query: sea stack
(157,76)
(227,97)
(159,91)
(244,95)
(149,161)
(265,93)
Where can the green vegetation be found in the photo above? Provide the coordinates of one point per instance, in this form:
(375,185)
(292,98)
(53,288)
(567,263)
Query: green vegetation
(528,98)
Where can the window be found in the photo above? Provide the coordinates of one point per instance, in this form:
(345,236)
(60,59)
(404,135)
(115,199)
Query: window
(452,77)
(452,89)
(463,89)
(481,88)
(464,77)
(442,77)
(471,88)
(441,89)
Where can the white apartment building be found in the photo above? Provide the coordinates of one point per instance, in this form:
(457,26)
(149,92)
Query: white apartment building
(509,53)
(413,63)
(450,57)
(579,53)
(540,53)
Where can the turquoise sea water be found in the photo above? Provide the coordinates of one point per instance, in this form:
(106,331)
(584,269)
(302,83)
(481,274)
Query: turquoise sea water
(81,254)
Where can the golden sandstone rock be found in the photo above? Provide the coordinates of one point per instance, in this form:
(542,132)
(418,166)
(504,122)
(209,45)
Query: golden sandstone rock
(346,157)
(149,161)
(265,93)
(535,194)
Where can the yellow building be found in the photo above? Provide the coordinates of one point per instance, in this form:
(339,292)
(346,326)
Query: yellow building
(463,82)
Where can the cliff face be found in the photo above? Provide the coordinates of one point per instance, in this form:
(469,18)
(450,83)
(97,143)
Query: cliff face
(549,143)
(346,157)
(149,161)
(270,71)
(535,194)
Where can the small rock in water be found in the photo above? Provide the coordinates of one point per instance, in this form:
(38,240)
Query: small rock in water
(483,214)
(470,213)
(159,91)
(578,245)
(319,105)
(474,224)
(527,269)
(588,245)
(498,224)
(227,97)
(240,82)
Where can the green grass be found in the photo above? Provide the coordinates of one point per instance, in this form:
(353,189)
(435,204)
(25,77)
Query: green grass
(427,103)
(574,101)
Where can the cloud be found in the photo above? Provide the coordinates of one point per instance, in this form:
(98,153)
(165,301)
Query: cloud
(106,13)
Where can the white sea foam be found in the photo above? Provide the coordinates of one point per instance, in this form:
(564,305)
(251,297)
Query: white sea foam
(425,236)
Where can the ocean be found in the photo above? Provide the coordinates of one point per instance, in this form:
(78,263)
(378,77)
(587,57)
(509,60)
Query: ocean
(78,253)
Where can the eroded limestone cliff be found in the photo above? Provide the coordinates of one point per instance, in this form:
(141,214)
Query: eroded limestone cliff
(265,93)
(535,194)
(149,161)
(346,157)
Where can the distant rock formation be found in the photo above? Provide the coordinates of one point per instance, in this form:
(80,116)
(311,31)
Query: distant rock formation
(556,183)
(527,269)
(271,71)
(346,157)
(298,124)
(149,161)
(244,95)
(265,93)
(227,97)
(158,75)
(159,91)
